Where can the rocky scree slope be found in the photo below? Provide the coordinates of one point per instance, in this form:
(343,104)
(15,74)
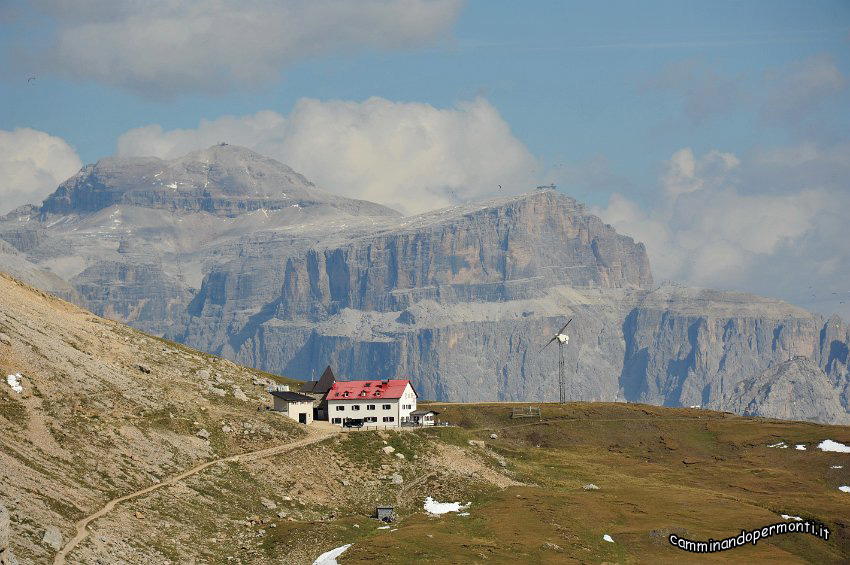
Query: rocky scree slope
(104,410)
(460,300)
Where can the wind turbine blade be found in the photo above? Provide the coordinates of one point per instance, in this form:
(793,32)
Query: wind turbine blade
(547,345)
(565,326)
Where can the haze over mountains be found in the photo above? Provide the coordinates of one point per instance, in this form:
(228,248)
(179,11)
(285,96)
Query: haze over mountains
(239,255)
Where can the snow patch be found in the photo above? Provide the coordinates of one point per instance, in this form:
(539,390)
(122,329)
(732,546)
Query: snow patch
(464,514)
(780,445)
(829,445)
(844,488)
(795,518)
(433,507)
(383,528)
(14,381)
(329,557)
(800,447)
(608,538)
(837,467)
(172,185)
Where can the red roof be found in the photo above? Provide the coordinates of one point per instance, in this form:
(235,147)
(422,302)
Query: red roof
(370,390)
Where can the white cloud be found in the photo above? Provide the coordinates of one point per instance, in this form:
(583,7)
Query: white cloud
(686,174)
(802,95)
(703,93)
(785,169)
(32,165)
(255,131)
(411,156)
(167,47)
(723,223)
(801,88)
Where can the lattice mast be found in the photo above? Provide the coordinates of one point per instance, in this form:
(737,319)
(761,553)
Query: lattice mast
(562,339)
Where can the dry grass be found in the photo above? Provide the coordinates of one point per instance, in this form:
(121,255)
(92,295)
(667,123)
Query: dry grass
(697,473)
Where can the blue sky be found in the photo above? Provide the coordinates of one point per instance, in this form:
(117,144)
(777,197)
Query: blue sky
(645,111)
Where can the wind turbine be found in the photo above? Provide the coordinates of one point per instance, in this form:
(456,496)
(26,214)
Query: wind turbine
(562,339)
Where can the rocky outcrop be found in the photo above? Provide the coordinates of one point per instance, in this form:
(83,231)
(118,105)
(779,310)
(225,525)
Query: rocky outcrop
(6,557)
(52,538)
(796,389)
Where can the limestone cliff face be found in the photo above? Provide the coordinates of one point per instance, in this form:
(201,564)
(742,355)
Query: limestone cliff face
(796,389)
(832,356)
(693,347)
(683,345)
(509,249)
(411,300)
(238,255)
(136,291)
(16,264)
(470,352)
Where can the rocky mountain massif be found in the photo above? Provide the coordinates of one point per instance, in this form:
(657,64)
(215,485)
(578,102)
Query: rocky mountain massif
(238,255)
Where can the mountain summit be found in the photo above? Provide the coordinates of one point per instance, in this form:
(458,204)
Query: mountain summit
(223,179)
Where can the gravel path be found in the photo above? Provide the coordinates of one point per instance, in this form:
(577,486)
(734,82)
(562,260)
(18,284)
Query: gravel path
(315,435)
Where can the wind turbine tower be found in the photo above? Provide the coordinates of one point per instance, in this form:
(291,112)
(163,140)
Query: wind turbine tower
(562,340)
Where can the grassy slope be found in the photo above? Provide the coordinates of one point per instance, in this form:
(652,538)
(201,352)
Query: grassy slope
(697,473)
(90,425)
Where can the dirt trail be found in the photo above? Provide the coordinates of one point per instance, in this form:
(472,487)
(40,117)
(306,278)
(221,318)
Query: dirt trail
(315,434)
(409,486)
